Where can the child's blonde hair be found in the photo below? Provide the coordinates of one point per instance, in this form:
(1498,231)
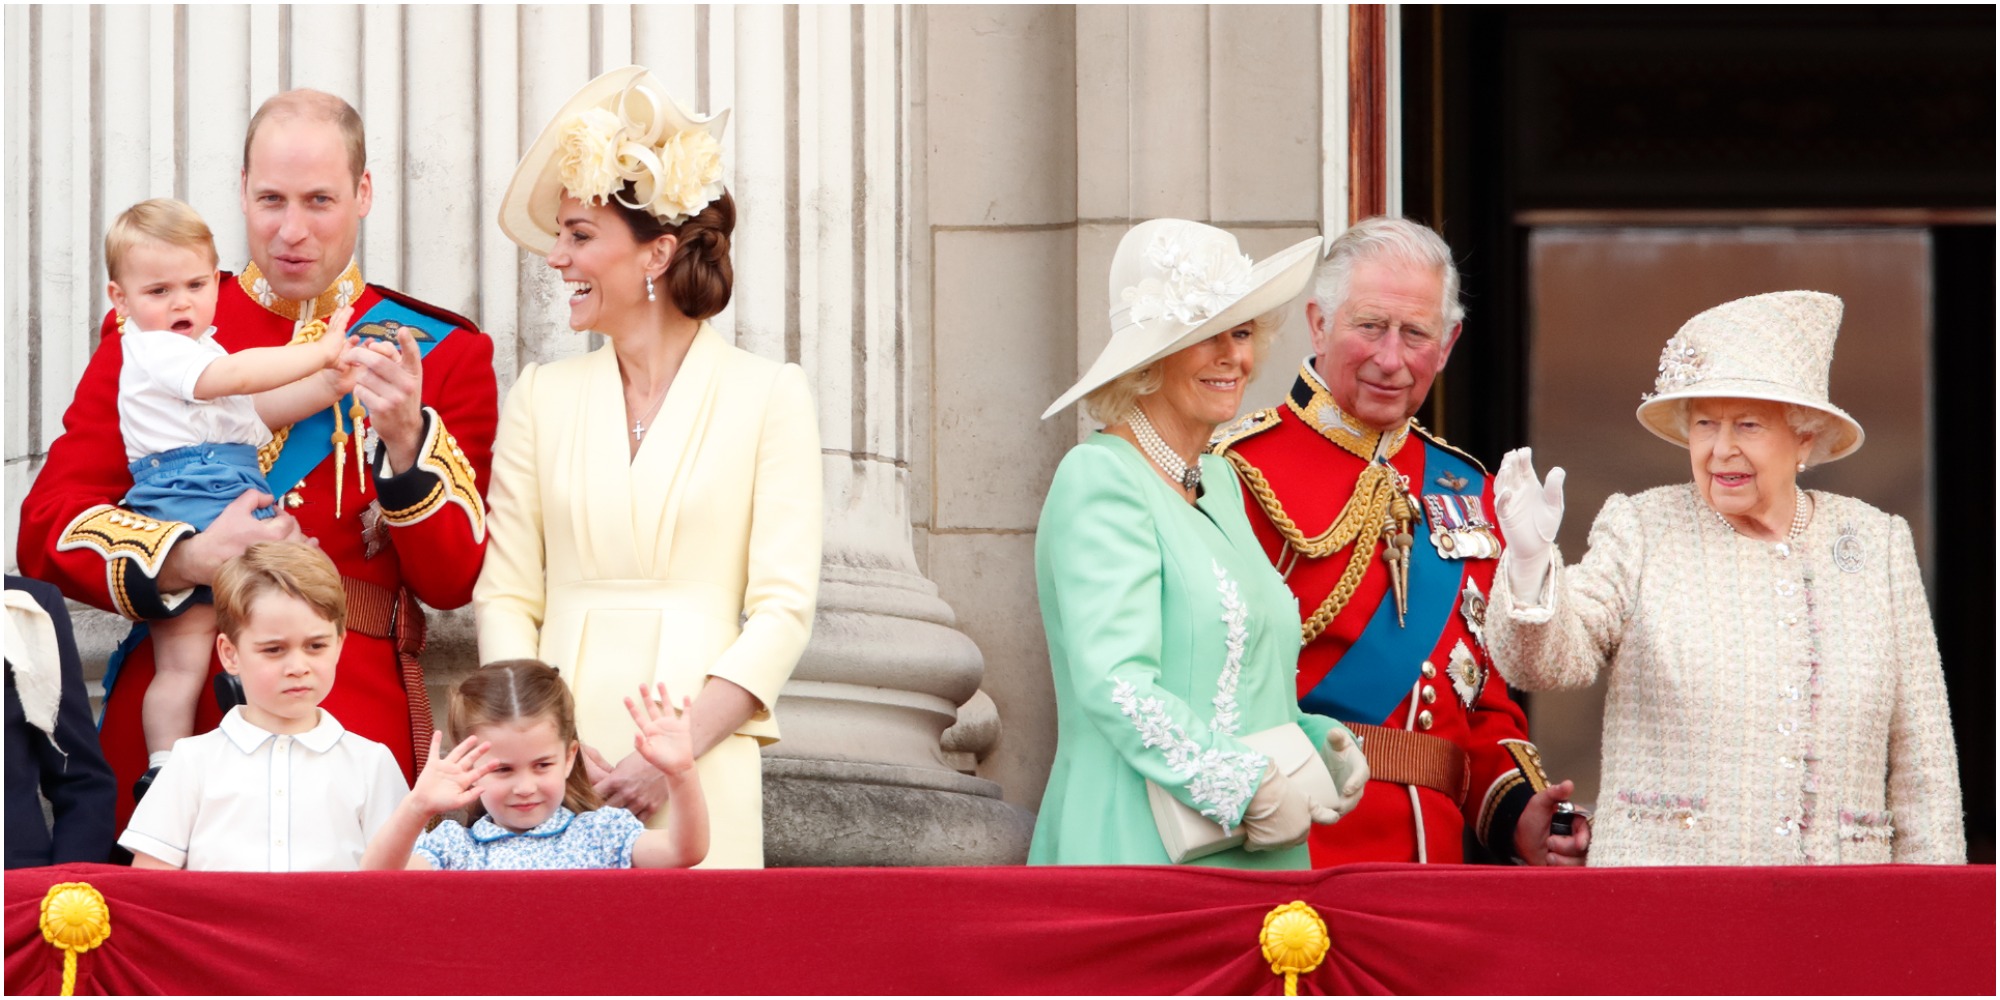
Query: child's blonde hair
(524,691)
(292,568)
(158,220)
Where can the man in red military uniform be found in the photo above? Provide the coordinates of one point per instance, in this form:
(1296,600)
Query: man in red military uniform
(1387,537)
(389,483)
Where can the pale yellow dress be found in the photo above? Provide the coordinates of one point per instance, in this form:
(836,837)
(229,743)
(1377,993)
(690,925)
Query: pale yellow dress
(697,557)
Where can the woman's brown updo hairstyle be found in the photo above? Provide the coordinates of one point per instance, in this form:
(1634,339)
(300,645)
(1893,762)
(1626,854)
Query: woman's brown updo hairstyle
(699,277)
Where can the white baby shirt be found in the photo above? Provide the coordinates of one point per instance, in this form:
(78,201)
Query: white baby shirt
(157,410)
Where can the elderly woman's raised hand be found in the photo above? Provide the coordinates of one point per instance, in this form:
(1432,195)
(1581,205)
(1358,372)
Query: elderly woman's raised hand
(1530,512)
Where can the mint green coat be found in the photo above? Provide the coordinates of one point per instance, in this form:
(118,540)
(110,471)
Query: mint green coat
(1169,634)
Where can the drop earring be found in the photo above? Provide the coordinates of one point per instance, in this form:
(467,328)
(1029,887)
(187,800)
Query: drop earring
(649,288)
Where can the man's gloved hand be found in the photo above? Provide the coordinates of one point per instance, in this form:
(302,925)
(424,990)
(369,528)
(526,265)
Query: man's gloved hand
(1349,767)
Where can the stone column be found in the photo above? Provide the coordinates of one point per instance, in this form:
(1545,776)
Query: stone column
(1053,130)
(860,777)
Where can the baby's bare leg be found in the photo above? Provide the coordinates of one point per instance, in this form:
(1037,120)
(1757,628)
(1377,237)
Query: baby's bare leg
(181,650)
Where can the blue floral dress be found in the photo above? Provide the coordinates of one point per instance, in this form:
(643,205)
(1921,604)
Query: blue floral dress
(601,838)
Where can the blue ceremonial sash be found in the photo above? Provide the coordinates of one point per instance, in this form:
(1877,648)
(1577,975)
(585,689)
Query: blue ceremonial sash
(1376,673)
(311,439)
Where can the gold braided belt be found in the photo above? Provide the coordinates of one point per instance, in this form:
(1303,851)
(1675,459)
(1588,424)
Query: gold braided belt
(1366,511)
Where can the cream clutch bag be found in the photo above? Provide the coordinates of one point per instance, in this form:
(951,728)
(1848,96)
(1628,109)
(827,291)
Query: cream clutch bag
(1188,835)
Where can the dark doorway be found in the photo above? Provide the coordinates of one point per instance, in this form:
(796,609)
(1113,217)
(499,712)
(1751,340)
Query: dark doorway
(1810,120)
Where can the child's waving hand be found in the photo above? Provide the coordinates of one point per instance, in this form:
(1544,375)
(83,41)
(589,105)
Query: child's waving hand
(451,782)
(664,738)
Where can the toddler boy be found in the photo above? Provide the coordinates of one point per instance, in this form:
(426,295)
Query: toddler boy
(194,415)
(279,785)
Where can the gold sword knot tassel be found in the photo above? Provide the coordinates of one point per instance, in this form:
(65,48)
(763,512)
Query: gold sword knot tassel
(339,459)
(1396,542)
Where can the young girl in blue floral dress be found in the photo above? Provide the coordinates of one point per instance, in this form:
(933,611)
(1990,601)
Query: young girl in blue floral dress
(517,768)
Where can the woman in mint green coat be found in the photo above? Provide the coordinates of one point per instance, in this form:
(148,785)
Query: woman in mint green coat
(1170,635)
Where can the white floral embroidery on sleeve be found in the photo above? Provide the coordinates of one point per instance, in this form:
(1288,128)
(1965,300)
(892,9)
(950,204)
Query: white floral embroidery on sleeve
(1237,617)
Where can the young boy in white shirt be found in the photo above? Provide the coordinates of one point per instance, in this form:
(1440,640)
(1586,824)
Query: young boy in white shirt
(193,416)
(279,786)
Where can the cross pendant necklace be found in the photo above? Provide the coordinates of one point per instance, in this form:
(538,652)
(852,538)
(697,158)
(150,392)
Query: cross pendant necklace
(639,423)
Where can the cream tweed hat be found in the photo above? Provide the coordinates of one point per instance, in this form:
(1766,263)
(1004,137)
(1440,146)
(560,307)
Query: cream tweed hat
(1175,283)
(1777,346)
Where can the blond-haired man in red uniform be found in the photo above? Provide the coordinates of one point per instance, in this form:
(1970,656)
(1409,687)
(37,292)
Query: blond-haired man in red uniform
(1387,537)
(394,497)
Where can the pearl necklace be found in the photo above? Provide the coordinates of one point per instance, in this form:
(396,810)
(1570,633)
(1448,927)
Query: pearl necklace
(1155,447)
(1798,518)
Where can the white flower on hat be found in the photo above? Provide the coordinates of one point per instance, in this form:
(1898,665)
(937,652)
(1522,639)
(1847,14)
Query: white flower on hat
(673,174)
(690,175)
(1196,285)
(589,162)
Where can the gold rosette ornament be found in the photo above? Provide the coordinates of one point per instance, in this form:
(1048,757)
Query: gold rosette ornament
(75,918)
(1295,941)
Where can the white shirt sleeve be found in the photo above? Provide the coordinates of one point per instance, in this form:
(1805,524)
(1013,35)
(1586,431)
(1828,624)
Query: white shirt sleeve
(163,823)
(172,363)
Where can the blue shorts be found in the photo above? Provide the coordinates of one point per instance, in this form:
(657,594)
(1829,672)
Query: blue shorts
(193,484)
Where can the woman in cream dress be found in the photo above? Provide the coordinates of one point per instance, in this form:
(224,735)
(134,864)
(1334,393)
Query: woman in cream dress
(1775,695)
(656,502)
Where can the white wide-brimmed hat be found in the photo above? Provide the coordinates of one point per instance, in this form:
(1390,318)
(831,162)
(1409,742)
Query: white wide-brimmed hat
(1175,283)
(620,127)
(1777,346)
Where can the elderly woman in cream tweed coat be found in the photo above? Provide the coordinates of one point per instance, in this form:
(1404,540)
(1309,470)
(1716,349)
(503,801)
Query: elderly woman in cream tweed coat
(1775,694)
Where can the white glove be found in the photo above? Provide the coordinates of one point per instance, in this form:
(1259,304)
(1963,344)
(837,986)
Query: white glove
(1277,816)
(1349,767)
(1530,512)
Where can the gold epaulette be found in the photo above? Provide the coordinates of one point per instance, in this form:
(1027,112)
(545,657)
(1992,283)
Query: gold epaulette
(123,539)
(456,482)
(1247,425)
(1440,442)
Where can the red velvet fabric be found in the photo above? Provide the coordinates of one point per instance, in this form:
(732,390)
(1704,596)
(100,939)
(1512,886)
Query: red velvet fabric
(1395,929)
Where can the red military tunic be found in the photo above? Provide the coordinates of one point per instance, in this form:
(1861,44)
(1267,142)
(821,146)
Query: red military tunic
(72,535)
(1306,457)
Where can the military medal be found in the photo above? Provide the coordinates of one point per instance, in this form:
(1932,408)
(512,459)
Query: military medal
(374,530)
(1467,675)
(1459,527)
(1472,607)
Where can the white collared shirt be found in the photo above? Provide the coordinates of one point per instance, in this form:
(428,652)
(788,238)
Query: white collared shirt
(157,409)
(238,798)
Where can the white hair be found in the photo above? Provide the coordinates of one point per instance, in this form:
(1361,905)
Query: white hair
(1383,238)
(1804,421)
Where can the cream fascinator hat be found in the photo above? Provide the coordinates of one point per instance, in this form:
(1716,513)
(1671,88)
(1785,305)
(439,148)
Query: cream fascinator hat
(1777,346)
(1175,283)
(620,127)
